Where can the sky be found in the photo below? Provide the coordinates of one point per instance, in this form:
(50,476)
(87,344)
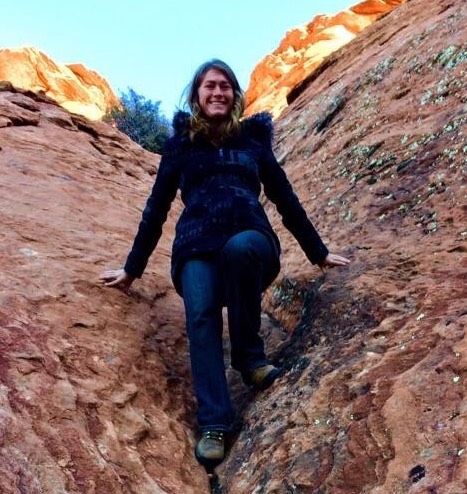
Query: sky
(155,46)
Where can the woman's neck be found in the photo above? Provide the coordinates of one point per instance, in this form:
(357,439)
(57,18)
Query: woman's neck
(215,133)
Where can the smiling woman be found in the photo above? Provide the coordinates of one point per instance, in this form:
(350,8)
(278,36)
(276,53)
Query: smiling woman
(225,252)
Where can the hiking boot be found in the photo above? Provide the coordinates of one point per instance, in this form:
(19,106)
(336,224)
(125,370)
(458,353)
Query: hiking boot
(210,449)
(262,377)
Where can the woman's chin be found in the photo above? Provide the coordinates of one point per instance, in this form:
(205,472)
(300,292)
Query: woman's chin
(217,116)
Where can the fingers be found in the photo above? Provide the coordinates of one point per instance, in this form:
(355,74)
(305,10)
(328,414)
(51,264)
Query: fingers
(107,276)
(120,284)
(116,278)
(335,260)
(111,273)
(109,280)
(113,282)
(340,261)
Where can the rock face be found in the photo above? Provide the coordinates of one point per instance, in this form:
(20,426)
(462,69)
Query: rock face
(303,49)
(74,87)
(95,390)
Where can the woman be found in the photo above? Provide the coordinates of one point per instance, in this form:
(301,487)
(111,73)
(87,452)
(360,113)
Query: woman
(225,252)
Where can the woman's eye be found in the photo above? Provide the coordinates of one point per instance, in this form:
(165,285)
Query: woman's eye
(222,87)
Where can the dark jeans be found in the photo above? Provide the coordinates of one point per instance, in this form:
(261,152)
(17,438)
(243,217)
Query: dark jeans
(233,277)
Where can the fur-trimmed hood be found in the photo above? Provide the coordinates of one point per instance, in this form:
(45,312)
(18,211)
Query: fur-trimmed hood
(259,126)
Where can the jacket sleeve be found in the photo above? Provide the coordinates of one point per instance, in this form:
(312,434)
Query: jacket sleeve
(155,212)
(279,190)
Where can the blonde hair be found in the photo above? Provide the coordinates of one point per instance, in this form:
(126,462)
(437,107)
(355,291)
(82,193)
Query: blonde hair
(199,125)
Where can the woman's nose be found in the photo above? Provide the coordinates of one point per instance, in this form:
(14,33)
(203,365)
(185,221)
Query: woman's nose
(217,90)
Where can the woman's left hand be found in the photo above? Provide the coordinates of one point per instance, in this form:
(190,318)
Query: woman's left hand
(332,260)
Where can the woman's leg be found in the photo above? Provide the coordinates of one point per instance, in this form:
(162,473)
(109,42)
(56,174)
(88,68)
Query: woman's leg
(202,295)
(246,259)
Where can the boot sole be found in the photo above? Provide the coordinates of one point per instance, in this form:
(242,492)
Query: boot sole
(208,463)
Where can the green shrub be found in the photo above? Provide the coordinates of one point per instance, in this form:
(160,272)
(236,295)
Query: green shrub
(141,120)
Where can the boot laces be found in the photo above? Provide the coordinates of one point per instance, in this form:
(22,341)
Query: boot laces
(216,435)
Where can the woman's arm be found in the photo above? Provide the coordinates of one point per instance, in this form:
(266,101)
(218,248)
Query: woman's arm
(155,213)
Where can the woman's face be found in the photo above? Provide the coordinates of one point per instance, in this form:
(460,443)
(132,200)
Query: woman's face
(215,95)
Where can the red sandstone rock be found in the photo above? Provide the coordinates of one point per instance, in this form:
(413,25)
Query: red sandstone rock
(95,391)
(303,49)
(74,87)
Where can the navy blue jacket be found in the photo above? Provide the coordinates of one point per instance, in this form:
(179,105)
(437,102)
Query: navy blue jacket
(220,188)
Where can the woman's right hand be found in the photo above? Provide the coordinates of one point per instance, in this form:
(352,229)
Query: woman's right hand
(117,278)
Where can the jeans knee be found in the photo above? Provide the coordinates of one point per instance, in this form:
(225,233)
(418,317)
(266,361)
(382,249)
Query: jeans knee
(236,250)
(244,247)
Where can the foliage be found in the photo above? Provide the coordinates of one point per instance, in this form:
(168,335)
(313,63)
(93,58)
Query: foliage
(141,120)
